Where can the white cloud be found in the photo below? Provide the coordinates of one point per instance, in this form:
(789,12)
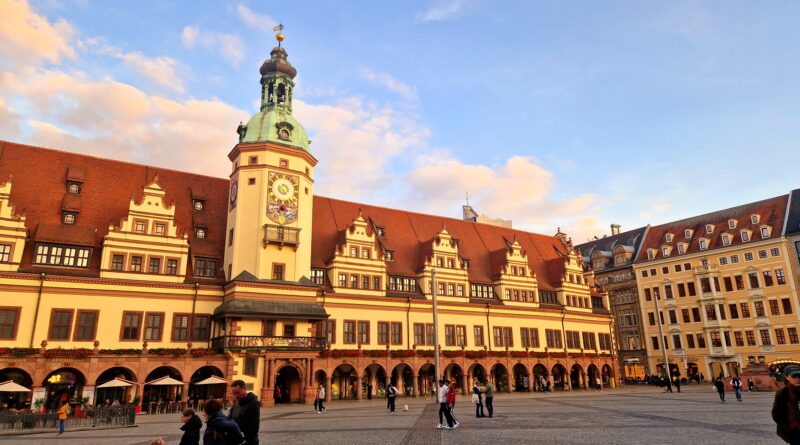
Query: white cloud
(390,83)
(441,11)
(162,71)
(28,37)
(229,45)
(255,20)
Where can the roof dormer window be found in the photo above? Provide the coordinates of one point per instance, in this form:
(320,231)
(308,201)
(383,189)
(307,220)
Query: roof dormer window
(726,240)
(668,237)
(389,255)
(687,233)
(651,254)
(709,229)
(766,231)
(200,233)
(731,223)
(681,248)
(666,251)
(754,218)
(703,244)
(380,231)
(745,235)
(73,188)
(68,218)
(198,205)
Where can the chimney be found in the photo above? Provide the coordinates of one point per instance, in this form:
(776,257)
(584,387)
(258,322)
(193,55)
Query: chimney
(615,229)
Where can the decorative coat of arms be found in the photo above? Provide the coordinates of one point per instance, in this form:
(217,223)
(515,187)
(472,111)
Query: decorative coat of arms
(282,195)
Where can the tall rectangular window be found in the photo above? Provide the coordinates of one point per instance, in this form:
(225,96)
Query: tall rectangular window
(766,340)
(342,280)
(131,325)
(690,341)
(277,271)
(180,327)
(478,333)
(753,277)
(419,334)
(60,324)
(667,291)
(734,310)
(330,331)
(728,284)
(5,253)
(86,326)
(155,265)
(787,306)
(153,325)
(349,332)
(780,337)
(759,305)
(792,335)
(136,264)
(691,288)
(676,341)
(745,309)
(768,278)
(738,338)
(172,267)
(696,314)
(773,307)
(268,328)
(751,338)
(461,335)
(9,320)
(508,337)
(780,276)
(383,333)
(681,290)
(429,334)
(524,338)
(117,262)
(498,336)
(201,327)
(363,332)
(318,276)
(396,333)
(701,340)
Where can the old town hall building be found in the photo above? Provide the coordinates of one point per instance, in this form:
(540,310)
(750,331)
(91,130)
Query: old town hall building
(176,283)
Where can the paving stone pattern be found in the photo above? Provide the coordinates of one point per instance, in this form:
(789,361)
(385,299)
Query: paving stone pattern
(632,415)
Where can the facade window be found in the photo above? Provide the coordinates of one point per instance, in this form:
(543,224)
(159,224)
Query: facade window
(754,219)
(330,331)
(766,340)
(731,223)
(691,288)
(655,343)
(748,256)
(61,255)
(553,338)
(460,290)
(250,365)
(687,233)
(69,218)
(793,335)
(172,267)
(5,253)
(365,253)
(198,205)
(478,333)
(759,305)
(745,235)
(685,315)
(762,254)
(723,261)
(396,331)
(200,327)
(86,326)
(709,229)
(73,188)
(383,332)
(60,324)
(268,328)
(689,341)
(342,280)
(773,308)
(703,244)
(738,338)
(734,310)
(768,278)
(139,226)
(376,283)
(726,240)
(277,271)
(701,341)
(753,277)
(349,332)
(751,338)
(9,321)
(204,267)
(676,341)
(734,259)
(402,284)
(354,281)
(155,265)
(573,339)
(780,276)
(481,291)
(180,327)
(153,326)
(363,332)
(200,233)
(665,251)
(159,229)
(739,280)
(775,251)
(787,306)
(318,276)
(131,325)
(745,310)
(450,263)
(136,264)
(117,262)
(780,337)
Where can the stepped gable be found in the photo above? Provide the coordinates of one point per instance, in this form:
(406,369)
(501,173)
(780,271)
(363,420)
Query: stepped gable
(407,232)
(40,180)
(771,212)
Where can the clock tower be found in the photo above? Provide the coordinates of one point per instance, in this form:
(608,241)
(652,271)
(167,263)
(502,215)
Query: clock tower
(271,191)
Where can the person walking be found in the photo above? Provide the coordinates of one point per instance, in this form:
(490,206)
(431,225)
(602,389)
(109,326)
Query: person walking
(451,401)
(750,385)
(785,410)
(62,416)
(444,411)
(391,395)
(191,427)
(477,399)
(245,411)
(488,391)
(220,430)
(720,385)
(736,383)
(276,394)
(369,391)
(320,399)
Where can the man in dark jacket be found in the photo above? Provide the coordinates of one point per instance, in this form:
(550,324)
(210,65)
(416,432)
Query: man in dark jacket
(246,411)
(191,427)
(785,410)
(220,430)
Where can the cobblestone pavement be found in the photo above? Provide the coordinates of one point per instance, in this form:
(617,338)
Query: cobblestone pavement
(632,415)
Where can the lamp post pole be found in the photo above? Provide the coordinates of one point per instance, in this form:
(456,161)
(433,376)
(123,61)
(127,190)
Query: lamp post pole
(435,328)
(663,341)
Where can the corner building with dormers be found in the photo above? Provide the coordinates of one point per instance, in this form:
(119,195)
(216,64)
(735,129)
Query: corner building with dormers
(116,270)
(723,288)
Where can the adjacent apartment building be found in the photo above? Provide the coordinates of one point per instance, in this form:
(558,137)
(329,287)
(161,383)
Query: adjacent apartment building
(722,288)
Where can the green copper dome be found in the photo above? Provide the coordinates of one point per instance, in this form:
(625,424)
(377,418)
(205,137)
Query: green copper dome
(275,123)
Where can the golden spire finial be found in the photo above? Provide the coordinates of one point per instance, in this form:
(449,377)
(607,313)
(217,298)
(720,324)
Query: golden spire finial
(279,36)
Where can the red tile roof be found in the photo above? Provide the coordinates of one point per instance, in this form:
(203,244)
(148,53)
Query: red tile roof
(771,213)
(39,184)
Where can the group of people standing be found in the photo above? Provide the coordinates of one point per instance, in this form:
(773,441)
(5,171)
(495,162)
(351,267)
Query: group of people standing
(481,395)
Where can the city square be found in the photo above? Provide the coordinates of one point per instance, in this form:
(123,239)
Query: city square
(634,414)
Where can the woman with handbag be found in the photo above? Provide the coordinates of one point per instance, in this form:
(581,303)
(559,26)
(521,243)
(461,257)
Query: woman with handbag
(477,399)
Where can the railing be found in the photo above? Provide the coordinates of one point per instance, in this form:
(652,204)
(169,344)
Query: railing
(270,343)
(274,234)
(107,416)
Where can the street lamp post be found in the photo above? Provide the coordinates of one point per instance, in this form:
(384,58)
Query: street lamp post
(663,341)
(435,328)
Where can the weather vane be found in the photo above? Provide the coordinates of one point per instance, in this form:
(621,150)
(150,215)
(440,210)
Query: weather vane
(279,36)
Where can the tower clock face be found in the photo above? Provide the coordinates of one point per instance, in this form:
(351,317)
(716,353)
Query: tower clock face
(234,193)
(282,196)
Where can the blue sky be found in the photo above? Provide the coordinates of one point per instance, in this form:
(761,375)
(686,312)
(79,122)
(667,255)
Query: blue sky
(549,113)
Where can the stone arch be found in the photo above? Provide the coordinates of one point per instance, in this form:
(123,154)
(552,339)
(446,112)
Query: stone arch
(455,374)
(577,376)
(289,378)
(499,375)
(403,378)
(593,374)
(559,373)
(320,377)
(205,392)
(607,373)
(63,384)
(373,380)
(343,384)
(521,381)
(161,393)
(121,394)
(539,374)
(19,376)
(427,379)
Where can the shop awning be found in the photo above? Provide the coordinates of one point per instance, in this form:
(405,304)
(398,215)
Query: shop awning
(213,380)
(10,386)
(165,381)
(116,383)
